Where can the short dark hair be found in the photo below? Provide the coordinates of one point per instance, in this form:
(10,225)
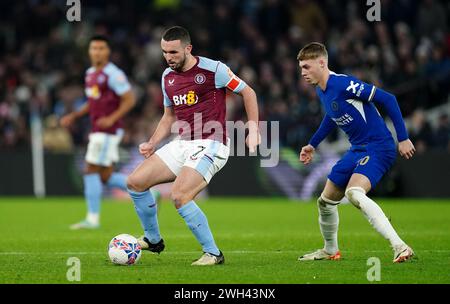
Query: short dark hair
(100,38)
(312,50)
(177,33)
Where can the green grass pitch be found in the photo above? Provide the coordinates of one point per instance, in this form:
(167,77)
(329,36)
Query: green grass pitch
(261,240)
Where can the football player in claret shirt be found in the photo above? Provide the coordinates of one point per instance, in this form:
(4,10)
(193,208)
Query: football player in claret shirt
(194,90)
(350,104)
(109,98)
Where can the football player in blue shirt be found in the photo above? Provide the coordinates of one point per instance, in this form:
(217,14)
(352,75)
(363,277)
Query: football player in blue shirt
(350,104)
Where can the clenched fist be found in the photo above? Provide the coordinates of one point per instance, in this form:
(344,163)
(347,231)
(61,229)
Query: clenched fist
(307,154)
(147,149)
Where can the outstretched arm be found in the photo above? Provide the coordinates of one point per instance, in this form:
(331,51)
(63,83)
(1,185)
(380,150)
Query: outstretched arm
(307,152)
(326,126)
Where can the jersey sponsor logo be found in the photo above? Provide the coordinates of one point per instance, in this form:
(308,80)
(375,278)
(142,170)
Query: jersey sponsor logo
(361,88)
(93,92)
(171,81)
(343,120)
(200,78)
(185,99)
(352,86)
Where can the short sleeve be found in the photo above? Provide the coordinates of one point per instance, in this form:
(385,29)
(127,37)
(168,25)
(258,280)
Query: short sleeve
(225,78)
(118,82)
(167,102)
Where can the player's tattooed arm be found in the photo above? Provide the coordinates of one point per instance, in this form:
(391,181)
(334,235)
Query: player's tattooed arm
(251,108)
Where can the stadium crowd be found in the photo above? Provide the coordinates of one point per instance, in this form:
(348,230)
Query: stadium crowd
(43,58)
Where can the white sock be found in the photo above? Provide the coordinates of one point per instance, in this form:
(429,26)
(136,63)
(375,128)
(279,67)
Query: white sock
(329,223)
(376,217)
(93,218)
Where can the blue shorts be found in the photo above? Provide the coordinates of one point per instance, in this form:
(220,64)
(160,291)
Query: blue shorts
(366,160)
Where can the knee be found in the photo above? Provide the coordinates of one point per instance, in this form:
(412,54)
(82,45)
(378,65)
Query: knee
(135,184)
(90,170)
(105,177)
(179,197)
(353,194)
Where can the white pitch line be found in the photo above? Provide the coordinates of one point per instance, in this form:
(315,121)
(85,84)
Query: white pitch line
(105,252)
(188,252)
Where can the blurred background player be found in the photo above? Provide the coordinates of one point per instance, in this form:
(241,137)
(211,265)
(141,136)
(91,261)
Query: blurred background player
(350,104)
(194,90)
(109,98)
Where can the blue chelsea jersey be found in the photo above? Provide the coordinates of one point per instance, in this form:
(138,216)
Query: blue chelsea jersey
(348,103)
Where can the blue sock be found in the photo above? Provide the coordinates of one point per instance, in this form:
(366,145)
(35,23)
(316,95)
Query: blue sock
(93,192)
(118,180)
(197,222)
(146,208)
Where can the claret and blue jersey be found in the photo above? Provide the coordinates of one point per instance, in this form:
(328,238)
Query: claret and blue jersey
(201,90)
(103,89)
(350,104)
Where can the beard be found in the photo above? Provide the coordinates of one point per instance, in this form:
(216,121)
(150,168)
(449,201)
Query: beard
(179,66)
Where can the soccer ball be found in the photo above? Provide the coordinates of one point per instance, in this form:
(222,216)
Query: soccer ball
(124,249)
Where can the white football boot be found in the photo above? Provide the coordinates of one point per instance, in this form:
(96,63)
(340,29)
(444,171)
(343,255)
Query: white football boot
(402,253)
(209,259)
(320,254)
(85,224)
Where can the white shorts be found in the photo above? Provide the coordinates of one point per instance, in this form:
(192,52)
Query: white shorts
(103,148)
(206,156)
